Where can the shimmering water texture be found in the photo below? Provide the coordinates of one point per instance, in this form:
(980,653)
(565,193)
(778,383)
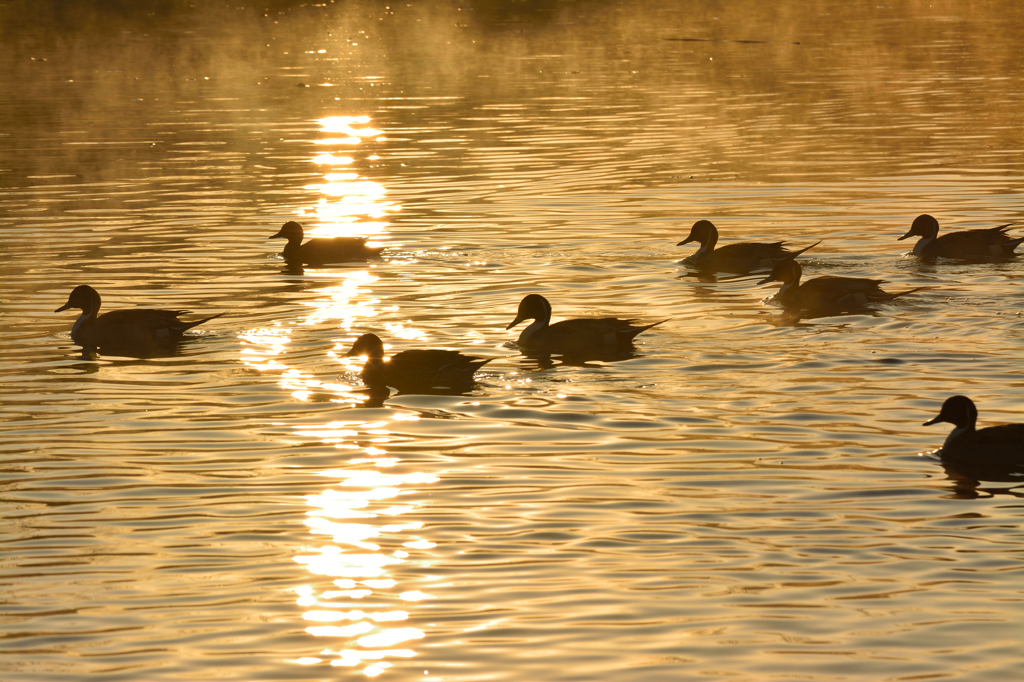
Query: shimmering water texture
(741,493)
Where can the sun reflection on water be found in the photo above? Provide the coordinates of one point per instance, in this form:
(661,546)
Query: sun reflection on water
(369,533)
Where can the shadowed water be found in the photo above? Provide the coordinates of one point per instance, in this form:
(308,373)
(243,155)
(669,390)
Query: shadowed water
(748,496)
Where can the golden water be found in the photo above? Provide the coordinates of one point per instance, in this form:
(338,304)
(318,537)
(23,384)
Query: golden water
(743,499)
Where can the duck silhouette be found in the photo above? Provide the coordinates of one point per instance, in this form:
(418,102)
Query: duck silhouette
(983,243)
(323,250)
(829,293)
(739,258)
(135,332)
(415,371)
(587,337)
(988,453)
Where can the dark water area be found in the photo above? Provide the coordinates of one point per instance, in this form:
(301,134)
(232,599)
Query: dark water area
(746,496)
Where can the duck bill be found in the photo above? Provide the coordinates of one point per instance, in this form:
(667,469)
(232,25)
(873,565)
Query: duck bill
(686,241)
(933,421)
(519,318)
(278,235)
(908,234)
(63,307)
(766,280)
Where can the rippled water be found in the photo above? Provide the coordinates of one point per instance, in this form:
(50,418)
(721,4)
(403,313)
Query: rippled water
(744,498)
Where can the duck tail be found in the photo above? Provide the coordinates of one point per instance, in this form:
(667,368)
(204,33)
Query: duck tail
(908,291)
(794,254)
(189,325)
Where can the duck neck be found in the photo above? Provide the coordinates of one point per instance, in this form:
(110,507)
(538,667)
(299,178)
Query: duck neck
(89,312)
(539,323)
(706,246)
(922,244)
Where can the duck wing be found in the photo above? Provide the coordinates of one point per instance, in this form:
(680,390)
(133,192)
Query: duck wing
(325,250)
(427,369)
(991,241)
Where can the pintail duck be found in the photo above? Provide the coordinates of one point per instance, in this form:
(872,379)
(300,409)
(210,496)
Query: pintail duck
(580,337)
(323,251)
(827,293)
(740,258)
(991,448)
(139,331)
(983,243)
(416,371)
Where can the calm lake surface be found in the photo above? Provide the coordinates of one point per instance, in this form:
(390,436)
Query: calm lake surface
(746,498)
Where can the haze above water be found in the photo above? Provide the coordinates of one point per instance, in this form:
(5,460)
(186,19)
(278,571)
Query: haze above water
(744,498)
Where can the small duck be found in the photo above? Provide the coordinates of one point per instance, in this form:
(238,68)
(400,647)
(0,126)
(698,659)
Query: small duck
(140,331)
(992,448)
(983,243)
(827,293)
(323,251)
(580,337)
(417,370)
(740,258)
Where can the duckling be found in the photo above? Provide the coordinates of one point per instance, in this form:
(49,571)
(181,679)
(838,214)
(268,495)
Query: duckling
(740,258)
(416,371)
(827,293)
(323,251)
(991,448)
(140,331)
(983,243)
(580,337)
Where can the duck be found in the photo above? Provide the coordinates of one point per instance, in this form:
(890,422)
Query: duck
(323,251)
(991,448)
(430,370)
(827,293)
(579,337)
(983,243)
(740,258)
(140,331)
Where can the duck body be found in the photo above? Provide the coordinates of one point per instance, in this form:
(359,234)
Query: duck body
(992,450)
(740,258)
(139,332)
(984,243)
(580,337)
(321,250)
(417,370)
(827,293)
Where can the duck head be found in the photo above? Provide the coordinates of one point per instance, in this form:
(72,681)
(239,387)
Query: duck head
(702,232)
(533,307)
(923,226)
(291,231)
(369,345)
(958,410)
(83,297)
(787,271)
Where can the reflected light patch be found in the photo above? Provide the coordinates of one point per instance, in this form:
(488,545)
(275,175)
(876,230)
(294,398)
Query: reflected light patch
(328,159)
(390,637)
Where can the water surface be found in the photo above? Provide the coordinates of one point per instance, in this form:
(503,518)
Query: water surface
(745,498)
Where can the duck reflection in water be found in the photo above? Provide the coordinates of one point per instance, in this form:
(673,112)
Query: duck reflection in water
(136,332)
(986,243)
(578,340)
(321,251)
(827,295)
(994,453)
(740,258)
(429,371)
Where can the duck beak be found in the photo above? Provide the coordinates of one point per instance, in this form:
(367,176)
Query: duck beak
(63,307)
(686,241)
(277,236)
(933,421)
(519,318)
(908,234)
(766,280)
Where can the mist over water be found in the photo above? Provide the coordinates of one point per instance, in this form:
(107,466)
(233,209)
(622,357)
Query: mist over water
(747,496)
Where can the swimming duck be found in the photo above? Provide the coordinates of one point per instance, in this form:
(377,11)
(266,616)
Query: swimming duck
(141,331)
(417,370)
(993,447)
(740,258)
(983,243)
(827,293)
(323,251)
(578,337)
